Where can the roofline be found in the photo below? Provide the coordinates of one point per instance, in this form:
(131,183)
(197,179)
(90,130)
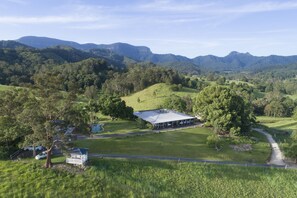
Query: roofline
(174,120)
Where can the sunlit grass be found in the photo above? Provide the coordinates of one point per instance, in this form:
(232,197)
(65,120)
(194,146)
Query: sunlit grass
(189,143)
(134,178)
(6,87)
(154,96)
(279,123)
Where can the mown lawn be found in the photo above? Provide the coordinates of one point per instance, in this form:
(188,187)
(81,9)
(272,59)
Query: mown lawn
(120,126)
(133,178)
(284,124)
(279,128)
(153,97)
(189,143)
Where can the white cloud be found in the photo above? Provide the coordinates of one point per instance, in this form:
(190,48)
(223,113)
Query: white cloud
(94,27)
(45,20)
(171,6)
(21,2)
(261,7)
(215,7)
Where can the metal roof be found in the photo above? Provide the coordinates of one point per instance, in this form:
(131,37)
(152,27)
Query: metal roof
(81,151)
(162,116)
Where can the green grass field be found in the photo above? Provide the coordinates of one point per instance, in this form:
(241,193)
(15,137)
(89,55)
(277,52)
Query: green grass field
(133,178)
(189,143)
(120,126)
(153,97)
(279,128)
(5,87)
(283,124)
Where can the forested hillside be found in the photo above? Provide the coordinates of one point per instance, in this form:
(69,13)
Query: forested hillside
(234,61)
(19,63)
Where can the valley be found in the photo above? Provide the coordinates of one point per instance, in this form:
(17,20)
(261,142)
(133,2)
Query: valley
(73,87)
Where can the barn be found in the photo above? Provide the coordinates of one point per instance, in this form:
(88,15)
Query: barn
(164,118)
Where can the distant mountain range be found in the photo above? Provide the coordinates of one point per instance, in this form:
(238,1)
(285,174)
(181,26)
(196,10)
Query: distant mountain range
(235,61)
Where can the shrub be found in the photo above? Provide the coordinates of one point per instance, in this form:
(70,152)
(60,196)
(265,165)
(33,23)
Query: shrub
(141,123)
(235,131)
(292,151)
(214,141)
(149,126)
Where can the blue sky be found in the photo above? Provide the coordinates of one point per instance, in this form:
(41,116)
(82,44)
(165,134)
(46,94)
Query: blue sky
(189,28)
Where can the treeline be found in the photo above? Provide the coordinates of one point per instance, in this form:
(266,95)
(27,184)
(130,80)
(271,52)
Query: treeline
(18,66)
(77,71)
(274,104)
(75,77)
(269,92)
(277,72)
(140,77)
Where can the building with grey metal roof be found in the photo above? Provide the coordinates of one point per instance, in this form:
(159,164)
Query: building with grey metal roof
(163,118)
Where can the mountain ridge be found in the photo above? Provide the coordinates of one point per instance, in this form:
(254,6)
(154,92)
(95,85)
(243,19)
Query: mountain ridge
(234,61)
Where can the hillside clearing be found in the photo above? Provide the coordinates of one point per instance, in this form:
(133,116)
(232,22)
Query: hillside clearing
(153,97)
(278,123)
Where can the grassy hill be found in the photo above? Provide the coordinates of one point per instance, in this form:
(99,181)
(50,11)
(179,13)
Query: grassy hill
(153,97)
(133,178)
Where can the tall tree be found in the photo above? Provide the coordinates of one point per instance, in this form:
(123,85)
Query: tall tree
(46,113)
(114,107)
(223,109)
(176,103)
(11,130)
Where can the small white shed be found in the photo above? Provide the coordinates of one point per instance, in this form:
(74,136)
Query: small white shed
(78,156)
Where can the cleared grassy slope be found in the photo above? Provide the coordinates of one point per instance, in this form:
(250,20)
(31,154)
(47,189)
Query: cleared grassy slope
(153,97)
(132,178)
(283,124)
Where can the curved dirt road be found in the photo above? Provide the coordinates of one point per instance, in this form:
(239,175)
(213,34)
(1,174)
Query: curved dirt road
(276,157)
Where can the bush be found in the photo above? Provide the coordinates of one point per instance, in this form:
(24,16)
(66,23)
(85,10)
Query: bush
(235,131)
(214,141)
(175,87)
(294,135)
(3,153)
(141,123)
(149,126)
(292,151)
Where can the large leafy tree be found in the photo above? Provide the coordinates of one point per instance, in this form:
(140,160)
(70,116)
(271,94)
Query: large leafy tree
(114,107)
(176,103)
(223,109)
(46,112)
(11,130)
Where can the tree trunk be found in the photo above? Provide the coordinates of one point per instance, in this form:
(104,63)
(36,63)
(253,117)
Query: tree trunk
(34,151)
(48,163)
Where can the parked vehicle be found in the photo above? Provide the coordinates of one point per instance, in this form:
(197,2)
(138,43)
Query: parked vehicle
(41,155)
(31,148)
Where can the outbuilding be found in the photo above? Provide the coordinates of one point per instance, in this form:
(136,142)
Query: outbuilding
(164,118)
(78,156)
